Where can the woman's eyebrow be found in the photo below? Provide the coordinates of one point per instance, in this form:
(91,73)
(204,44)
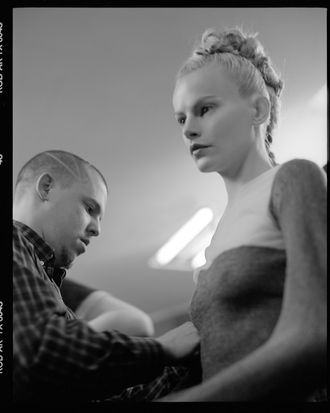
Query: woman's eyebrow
(198,102)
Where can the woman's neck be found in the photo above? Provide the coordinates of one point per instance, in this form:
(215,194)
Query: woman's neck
(253,166)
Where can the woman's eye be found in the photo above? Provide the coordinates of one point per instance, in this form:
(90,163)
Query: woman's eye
(205,109)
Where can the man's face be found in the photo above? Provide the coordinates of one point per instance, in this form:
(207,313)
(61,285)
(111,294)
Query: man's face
(72,216)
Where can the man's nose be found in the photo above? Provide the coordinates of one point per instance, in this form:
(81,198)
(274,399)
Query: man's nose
(94,227)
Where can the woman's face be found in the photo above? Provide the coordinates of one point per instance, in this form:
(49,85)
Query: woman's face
(216,121)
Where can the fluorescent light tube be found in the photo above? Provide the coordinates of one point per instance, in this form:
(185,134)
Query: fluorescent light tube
(198,260)
(185,234)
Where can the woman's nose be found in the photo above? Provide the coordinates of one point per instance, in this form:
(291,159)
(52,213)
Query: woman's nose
(191,129)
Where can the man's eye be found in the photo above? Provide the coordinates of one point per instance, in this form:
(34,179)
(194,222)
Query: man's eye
(181,121)
(89,209)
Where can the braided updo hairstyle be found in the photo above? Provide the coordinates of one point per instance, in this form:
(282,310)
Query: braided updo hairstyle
(245,60)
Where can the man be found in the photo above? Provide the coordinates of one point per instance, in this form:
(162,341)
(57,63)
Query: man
(59,202)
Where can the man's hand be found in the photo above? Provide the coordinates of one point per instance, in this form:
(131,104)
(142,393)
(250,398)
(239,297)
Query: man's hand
(180,342)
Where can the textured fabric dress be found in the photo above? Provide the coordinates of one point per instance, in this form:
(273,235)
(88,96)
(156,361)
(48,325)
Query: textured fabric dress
(273,229)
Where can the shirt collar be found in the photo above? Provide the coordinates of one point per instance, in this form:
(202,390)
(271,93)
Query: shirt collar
(45,253)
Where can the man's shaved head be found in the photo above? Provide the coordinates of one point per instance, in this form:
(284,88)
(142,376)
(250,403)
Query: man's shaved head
(62,198)
(63,166)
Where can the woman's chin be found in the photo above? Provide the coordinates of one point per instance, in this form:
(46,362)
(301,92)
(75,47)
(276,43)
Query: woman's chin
(204,166)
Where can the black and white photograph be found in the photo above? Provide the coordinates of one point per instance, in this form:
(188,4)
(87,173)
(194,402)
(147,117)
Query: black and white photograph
(169,196)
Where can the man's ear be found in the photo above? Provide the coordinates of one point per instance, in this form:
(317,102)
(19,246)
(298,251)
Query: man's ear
(261,109)
(44,184)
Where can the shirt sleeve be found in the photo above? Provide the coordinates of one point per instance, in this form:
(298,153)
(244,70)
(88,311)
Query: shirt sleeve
(56,355)
(75,293)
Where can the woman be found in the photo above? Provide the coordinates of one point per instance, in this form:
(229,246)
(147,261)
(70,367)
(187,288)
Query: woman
(260,299)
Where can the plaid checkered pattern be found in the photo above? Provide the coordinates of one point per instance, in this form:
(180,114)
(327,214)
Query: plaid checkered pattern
(58,357)
(164,384)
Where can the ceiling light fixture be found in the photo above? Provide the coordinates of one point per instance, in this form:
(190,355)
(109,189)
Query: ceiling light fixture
(185,249)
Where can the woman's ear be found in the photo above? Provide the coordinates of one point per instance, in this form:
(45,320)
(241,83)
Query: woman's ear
(261,109)
(43,185)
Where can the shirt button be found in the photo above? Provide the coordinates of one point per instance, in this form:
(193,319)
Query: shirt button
(42,263)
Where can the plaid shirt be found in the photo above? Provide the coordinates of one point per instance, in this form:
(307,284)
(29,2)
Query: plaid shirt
(59,358)
(172,380)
